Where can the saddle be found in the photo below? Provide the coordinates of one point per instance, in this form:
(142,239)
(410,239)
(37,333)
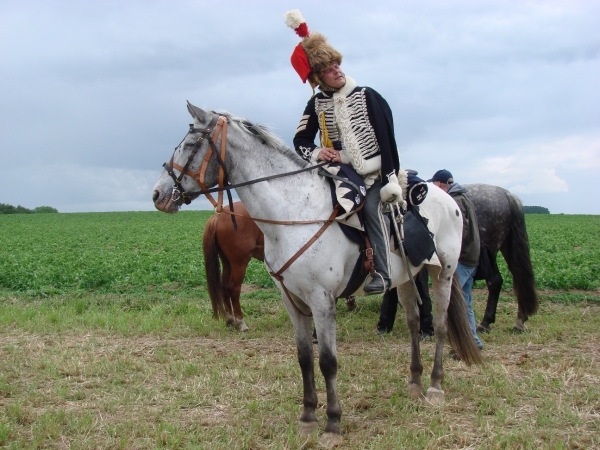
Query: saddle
(348,190)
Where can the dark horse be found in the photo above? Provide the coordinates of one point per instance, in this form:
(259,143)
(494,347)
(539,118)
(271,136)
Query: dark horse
(235,249)
(502,229)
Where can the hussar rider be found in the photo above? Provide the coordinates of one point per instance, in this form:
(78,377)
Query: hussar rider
(356,128)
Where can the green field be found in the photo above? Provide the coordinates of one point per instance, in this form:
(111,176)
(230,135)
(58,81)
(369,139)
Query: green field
(107,341)
(45,254)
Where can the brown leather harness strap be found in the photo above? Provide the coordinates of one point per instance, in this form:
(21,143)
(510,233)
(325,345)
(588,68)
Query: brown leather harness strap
(222,161)
(221,125)
(217,125)
(220,129)
(277,222)
(369,262)
(277,275)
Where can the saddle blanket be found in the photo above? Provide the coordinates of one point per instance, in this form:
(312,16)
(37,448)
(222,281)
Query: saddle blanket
(349,191)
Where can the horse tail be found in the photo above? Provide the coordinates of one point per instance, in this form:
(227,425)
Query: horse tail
(460,334)
(518,259)
(212,267)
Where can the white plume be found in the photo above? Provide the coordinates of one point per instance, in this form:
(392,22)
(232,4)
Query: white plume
(293,18)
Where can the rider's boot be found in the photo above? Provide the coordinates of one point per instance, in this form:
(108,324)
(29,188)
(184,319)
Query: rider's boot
(378,284)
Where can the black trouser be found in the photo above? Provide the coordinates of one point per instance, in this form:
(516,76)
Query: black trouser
(377,226)
(389,306)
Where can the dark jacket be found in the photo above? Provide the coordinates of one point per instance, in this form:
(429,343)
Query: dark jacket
(469,252)
(371,127)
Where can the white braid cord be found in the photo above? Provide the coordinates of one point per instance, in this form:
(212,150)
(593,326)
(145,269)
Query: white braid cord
(348,137)
(357,134)
(403,182)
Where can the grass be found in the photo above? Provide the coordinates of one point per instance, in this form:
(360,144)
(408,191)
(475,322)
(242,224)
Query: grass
(154,370)
(107,341)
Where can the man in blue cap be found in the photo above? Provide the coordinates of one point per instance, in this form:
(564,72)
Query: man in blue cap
(469,253)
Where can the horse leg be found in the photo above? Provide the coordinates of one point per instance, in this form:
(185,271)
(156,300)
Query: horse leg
(303,331)
(522,317)
(441,280)
(235,289)
(408,299)
(226,289)
(519,291)
(494,288)
(325,324)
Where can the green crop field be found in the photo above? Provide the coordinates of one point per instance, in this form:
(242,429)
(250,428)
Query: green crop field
(110,252)
(119,252)
(107,341)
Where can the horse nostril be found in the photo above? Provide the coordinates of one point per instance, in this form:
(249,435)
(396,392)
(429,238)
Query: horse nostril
(155,195)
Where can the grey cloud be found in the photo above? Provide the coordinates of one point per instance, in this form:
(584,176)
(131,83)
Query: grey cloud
(102,86)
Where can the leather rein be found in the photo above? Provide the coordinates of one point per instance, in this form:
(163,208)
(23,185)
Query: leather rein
(215,129)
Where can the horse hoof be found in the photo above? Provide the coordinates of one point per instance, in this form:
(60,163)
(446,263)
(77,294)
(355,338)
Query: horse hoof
(435,397)
(243,326)
(483,328)
(415,391)
(519,326)
(306,428)
(330,440)
(351,303)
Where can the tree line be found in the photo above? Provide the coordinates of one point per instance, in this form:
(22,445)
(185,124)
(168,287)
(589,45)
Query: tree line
(535,210)
(10,209)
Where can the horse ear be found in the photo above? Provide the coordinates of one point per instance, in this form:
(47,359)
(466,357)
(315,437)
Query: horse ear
(196,112)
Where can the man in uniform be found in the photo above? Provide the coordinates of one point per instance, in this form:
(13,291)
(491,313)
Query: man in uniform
(356,128)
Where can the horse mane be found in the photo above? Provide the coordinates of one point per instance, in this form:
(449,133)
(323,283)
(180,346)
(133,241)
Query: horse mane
(265,135)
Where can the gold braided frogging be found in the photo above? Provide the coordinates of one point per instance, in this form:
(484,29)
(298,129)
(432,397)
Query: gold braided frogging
(325,141)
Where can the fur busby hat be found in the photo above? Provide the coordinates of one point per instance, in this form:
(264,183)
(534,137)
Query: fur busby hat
(313,55)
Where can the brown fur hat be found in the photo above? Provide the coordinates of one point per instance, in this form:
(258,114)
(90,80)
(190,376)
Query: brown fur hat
(313,55)
(320,55)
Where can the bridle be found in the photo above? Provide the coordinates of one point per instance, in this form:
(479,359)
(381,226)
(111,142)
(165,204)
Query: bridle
(218,126)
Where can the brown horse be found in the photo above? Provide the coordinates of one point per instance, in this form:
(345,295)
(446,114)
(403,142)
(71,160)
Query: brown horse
(235,249)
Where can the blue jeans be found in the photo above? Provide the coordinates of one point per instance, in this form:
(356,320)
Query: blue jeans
(465,278)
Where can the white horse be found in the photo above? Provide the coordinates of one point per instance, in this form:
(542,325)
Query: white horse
(316,278)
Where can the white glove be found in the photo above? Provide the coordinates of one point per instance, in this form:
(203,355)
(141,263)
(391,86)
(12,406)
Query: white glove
(391,192)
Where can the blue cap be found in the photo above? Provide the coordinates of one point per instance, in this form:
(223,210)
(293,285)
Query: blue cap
(443,176)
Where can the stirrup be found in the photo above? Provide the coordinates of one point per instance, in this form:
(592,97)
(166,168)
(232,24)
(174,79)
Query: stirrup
(376,285)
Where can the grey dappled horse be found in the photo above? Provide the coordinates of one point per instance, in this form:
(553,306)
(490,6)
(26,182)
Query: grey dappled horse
(502,228)
(311,284)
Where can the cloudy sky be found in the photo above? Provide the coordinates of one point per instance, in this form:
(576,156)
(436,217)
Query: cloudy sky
(93,94)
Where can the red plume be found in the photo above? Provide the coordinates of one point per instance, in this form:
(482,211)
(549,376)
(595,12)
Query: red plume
(302,30)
